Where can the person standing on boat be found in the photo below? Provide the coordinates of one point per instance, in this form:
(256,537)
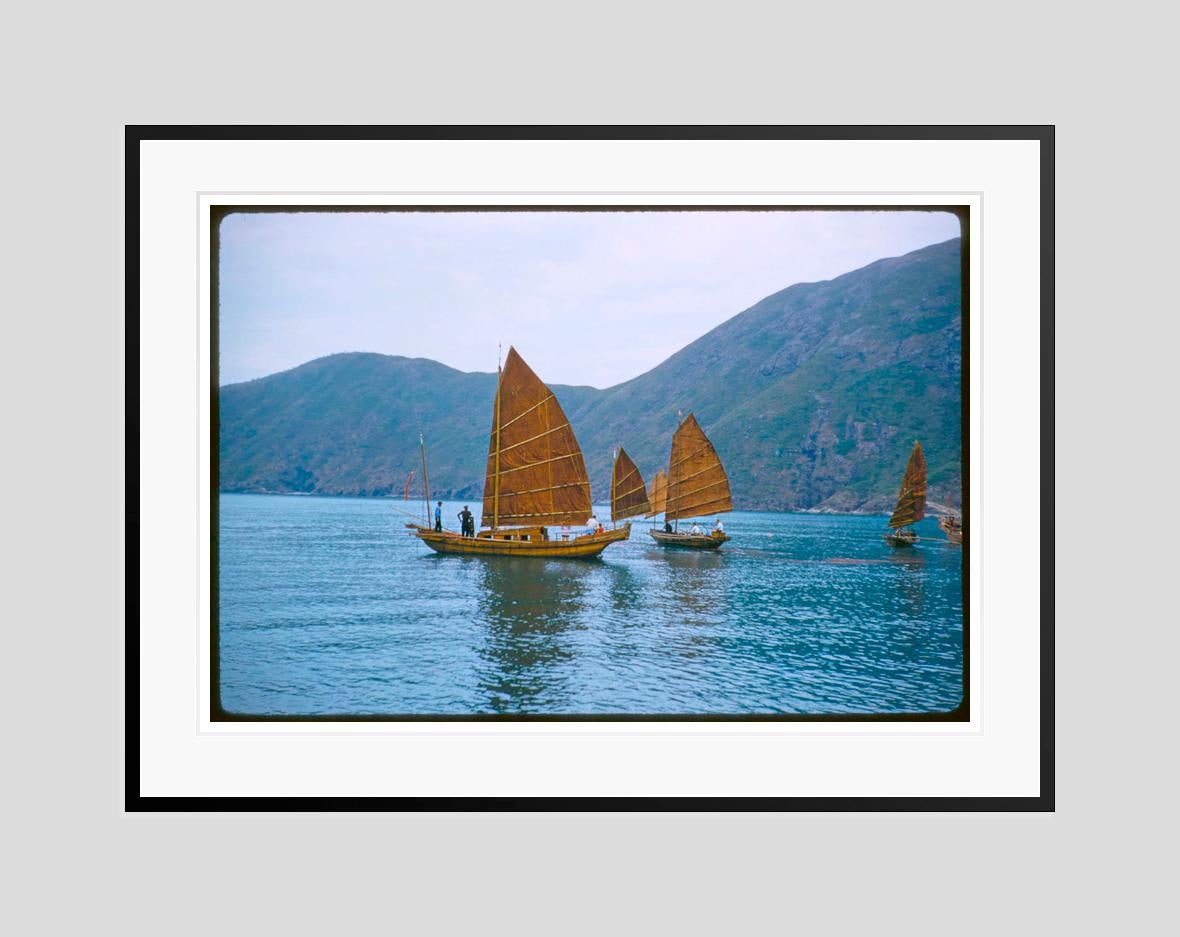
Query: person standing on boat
(438,518)
(467,522)
(592,523)
(718,529)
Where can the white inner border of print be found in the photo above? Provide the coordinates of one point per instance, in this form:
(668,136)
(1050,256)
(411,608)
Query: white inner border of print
(182,753)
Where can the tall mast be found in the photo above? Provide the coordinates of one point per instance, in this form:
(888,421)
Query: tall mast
(676,522)
(425,477)
(496,498)
(614,458)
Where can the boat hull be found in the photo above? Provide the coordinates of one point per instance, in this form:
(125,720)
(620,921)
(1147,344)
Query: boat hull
(584,547)
(903,538)
(953,531)
(688,541)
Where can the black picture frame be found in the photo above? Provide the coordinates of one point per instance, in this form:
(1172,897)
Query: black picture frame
(135,801)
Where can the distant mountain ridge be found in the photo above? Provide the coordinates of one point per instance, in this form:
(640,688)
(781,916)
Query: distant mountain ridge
(813,397)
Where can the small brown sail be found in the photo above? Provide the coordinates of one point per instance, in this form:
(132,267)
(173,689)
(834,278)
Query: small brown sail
(536,474)
(911,500)
(697,483)
(659,494)
(628,494)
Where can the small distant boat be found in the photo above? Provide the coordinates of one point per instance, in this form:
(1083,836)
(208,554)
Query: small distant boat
(911,502)
(952,526)
(536,480)
(697,486)
(628,493)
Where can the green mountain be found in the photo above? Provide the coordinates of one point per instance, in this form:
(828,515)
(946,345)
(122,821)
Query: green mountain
(813,397)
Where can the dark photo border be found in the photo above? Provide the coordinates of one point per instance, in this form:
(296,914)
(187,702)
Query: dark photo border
(136,802)
(217,713)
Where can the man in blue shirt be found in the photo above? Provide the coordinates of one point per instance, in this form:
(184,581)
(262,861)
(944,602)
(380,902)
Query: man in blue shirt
(438,518)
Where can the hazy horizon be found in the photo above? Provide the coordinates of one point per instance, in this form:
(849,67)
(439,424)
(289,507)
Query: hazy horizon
(588,298)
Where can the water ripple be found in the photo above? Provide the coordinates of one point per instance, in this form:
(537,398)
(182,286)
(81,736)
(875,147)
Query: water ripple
(327,606)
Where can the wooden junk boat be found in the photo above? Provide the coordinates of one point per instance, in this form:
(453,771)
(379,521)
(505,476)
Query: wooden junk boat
(536,480)
(911,502)
(697,486)
(952,526)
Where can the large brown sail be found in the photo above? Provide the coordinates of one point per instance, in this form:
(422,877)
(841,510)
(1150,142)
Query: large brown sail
(659,494)
(697,483)
(536,474)
(911,500)
(628,494)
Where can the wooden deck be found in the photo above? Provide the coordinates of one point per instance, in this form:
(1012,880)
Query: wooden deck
(903,538)
(688,541)
(952,529)
(526,542)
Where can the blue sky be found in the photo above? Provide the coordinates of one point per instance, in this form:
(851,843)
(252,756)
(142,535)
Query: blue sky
(586,297)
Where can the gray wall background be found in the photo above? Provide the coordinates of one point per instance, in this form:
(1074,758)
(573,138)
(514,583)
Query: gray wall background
(74,76)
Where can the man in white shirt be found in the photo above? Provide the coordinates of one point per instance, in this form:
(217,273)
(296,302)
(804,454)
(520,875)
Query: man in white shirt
(696,529)
(718,529)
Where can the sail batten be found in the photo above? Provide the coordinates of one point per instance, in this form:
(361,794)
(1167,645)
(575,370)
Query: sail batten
(697,483)
(525,413)
(712,507)
(534,491)
(535,468)
(524,442)
(529,465)
(690,495)
(628,493)
(685,479)
(694,454)
(911,499)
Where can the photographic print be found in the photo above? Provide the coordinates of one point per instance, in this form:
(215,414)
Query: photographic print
(589,462)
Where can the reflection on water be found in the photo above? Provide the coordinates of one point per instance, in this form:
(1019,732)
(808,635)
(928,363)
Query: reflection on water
(528,605)
(690,589)
(328,606)
(625,589)
(911,582)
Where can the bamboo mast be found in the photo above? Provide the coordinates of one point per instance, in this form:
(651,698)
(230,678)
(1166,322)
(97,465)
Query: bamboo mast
(676,521)
(425,477)
(496,497)
(614,468)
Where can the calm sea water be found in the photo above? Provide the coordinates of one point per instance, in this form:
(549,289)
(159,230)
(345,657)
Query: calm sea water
(329,606)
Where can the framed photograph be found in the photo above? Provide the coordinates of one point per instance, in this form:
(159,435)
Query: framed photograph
(590,468)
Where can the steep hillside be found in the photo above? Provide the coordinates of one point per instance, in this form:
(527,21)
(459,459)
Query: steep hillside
(813,397)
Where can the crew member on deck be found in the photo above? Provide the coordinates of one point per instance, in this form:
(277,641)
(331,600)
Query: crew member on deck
(438,518)
(696,529)
(718,529)
(592,523)
(467,522)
